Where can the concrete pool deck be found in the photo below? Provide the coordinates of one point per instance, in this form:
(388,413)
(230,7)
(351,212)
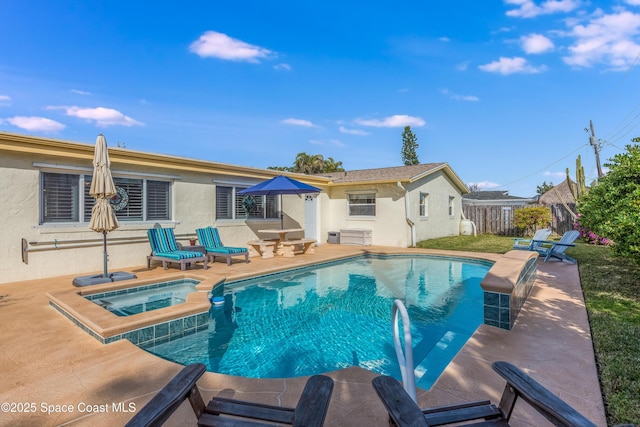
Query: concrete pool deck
(48,364)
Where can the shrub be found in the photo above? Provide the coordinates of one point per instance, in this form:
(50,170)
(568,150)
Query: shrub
(588,235)
(530,219)
(612,207)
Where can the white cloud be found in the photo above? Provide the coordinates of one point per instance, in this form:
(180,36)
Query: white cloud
(444,39)
(484,185)
(36,124)
(282,67)
(555,175)
(536,43)
(510,66)
(103,117)
(80,92)
(5,100)
(456,97)
(529,8)
(399,120)
(217,45)
(633,2)
(462,66)
(299,122)
(608,39)
(353,131)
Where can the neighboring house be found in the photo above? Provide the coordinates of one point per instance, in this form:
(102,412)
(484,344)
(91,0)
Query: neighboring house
(44,191)
(495,198)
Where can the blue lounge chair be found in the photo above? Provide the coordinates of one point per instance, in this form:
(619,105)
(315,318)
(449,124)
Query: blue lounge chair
(164,248)
(528,244)
(210,239)
(549,249)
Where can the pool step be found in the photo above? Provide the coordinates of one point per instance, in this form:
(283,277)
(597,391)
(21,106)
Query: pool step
(430,365)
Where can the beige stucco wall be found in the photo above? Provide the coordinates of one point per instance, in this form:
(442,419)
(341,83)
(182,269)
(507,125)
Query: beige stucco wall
(438,223)
(388,227)
(193,206)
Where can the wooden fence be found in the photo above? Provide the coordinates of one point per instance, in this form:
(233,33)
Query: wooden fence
(561,220)
(492,219)
(499,219)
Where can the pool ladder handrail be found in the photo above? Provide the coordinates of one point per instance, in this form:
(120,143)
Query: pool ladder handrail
(405,360)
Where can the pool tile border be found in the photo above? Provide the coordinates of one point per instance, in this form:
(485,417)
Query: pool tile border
(149,335)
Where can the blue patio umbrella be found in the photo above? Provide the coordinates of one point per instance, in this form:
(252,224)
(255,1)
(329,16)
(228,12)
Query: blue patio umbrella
(278,186)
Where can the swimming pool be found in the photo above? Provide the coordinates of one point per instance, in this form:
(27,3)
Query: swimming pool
(337,315)
(126,302)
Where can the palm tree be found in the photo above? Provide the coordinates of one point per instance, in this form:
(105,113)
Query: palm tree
(308,163)
(331,165)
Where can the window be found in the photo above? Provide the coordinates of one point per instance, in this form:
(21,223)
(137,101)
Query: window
(362,204)
(136,200)
(451,199)
(231,205)
(424,205)
(60,198)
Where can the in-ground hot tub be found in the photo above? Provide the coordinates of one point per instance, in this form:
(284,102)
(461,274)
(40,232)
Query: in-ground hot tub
(127,302)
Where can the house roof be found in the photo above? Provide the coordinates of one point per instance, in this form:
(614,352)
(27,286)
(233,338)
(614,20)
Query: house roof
(492,195)
(394,174)
(551,197)
(125,156)
(53,147)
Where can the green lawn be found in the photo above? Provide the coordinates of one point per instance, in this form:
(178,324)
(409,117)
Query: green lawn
(611,287)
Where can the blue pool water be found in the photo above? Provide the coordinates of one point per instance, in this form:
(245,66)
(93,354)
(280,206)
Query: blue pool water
(125,302)
(337,315)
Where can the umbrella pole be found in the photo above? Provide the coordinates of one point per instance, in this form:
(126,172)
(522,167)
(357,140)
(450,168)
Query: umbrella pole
(281,214)
(104,233)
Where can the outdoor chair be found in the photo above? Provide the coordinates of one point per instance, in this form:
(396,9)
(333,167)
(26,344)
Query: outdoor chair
(550,249)
(164,248)
(404,412)
(530,244)
(310,411)
(210,239)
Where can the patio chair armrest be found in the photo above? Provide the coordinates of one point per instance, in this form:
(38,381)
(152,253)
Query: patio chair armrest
(541,399)
(401,408)
(564,244)
(163,404)
(311,410)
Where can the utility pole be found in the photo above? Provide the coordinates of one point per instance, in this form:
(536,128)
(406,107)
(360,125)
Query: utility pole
(596,149)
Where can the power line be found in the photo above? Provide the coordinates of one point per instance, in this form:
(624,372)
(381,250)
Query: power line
(616,90)
(546,167)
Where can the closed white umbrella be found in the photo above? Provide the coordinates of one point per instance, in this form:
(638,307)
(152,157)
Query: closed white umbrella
(103,217)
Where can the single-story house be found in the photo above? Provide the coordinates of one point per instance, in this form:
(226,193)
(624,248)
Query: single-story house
(495,198)
(45,190)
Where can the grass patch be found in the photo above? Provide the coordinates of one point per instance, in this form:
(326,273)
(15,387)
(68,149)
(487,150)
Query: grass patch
(611,287)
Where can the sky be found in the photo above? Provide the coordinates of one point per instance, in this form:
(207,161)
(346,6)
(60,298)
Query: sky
(502,90)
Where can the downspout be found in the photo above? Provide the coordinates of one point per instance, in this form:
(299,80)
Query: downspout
(412,225)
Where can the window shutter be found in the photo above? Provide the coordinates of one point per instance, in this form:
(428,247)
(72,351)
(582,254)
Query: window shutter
(223,202)
(60,195)
(158,201)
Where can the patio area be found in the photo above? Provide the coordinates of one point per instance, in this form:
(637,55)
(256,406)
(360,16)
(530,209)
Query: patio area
(54,373)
